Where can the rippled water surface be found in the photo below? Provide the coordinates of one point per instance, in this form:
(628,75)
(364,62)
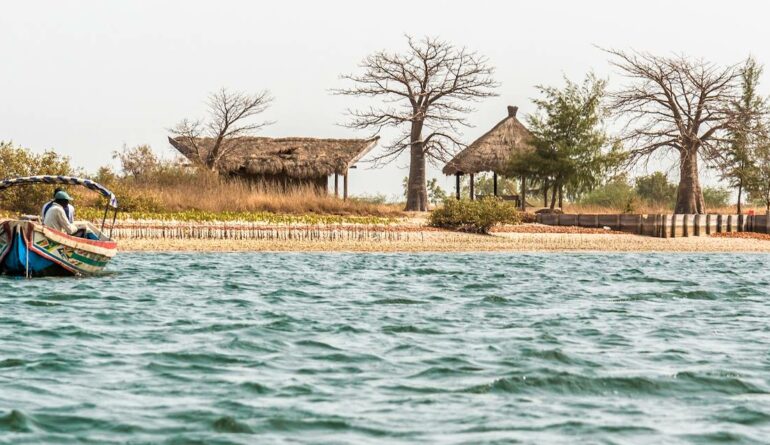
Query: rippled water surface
(369,348)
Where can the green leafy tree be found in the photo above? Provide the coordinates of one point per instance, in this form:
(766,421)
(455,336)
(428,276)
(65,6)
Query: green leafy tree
(760,186)
(572,150)
(656,189)
(716,197)
(436,194)
(16,161)
(737,165)
(485,185)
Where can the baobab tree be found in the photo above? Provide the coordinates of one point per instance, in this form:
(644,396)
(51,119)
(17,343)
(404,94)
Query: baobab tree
(425,92)
(680,104)
(230,117)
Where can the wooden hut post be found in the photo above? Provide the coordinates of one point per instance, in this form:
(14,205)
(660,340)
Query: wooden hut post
(457,185)
(345,186)
(494,183)
(473,191)
(336,185)
(523,193)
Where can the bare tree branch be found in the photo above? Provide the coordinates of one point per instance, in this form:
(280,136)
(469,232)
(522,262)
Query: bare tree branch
(675,103)
(230,118)
(426,87)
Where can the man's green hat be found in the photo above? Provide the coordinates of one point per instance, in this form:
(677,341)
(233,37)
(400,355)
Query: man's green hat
(62,195)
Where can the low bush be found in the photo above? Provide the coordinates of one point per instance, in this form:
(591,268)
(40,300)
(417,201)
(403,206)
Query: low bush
(474,216)
(716,197)
(616,194)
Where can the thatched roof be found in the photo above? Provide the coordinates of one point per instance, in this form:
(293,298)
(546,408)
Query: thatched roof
(293,157)
(492,151)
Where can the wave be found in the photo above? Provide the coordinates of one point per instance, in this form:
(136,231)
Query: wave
(573,384)
(408,329)
(384,301)
(15,422)
(229,424)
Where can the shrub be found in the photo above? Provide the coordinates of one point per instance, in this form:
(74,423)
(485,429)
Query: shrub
(137,161)
(377,199)
(616,194)
(715,197)
(17,161)
(474,216)
(131,193)
(435,193)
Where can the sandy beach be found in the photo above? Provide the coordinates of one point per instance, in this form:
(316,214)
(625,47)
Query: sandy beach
(437,241)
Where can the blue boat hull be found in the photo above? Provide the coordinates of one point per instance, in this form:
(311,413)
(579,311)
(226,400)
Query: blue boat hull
(20,261)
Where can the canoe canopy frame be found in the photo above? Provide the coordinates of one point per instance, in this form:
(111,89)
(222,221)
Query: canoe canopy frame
(112,201)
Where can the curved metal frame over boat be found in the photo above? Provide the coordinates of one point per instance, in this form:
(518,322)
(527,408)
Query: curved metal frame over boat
(112,201)
(69,180)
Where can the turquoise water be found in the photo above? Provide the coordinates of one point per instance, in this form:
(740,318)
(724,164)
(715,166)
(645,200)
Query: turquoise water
(370,348)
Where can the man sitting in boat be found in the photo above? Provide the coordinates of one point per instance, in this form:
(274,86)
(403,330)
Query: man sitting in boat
(56,217)
(68,209)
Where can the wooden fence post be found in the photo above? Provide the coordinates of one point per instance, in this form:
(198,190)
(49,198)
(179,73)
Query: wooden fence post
(708,224)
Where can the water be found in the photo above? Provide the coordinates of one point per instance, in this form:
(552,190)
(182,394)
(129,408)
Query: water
(369,348)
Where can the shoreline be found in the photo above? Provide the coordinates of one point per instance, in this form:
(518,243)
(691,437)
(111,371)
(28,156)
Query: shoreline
(454,242)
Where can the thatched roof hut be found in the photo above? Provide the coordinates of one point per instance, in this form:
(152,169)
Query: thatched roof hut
(492,151)
(288,161)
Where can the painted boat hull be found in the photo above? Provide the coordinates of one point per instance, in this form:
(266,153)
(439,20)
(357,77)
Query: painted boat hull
(30,249)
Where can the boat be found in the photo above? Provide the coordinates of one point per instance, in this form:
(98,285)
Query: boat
(30,249)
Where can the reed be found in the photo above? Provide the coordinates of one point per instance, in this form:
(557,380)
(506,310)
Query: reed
(442,241)
(263,232)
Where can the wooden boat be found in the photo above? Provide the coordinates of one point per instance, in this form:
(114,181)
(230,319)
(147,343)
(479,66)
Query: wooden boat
(28,248)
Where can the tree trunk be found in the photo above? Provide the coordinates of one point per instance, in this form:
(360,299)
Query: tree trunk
(689,196)
(554,192)
(417,189)
(561,196)
(213,158)
(740,192)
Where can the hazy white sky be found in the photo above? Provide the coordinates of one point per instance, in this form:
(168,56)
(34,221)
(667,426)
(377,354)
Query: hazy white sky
(86,77)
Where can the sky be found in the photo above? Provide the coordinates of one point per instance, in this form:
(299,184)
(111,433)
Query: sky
(86,77)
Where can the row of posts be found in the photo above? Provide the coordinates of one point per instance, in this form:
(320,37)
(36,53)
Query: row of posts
(663,226)
(344,185)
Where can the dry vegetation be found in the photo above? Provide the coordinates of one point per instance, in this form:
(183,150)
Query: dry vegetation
(743,235)
(206,192)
